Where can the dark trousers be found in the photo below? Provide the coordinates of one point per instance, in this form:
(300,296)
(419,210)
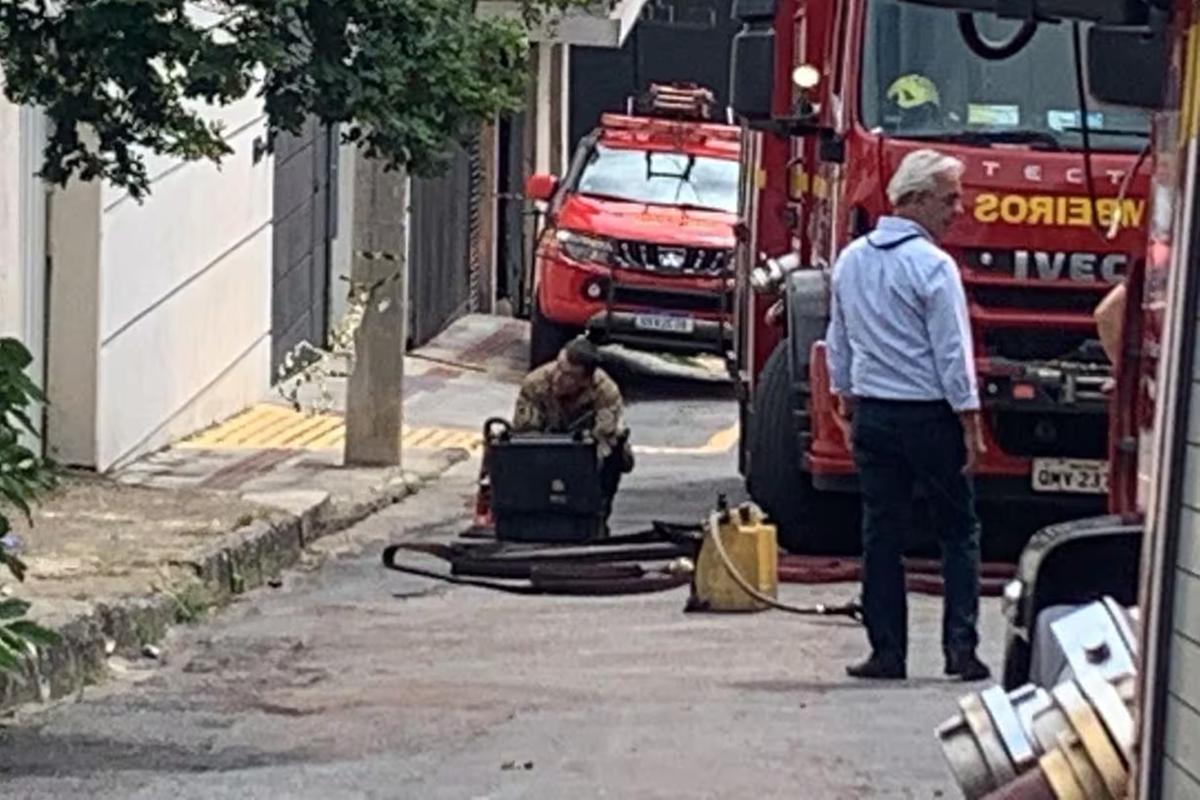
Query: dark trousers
(612,468)
(898,445)
(610,480)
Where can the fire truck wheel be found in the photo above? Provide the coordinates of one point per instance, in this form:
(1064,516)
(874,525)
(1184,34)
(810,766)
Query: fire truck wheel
(807,520)
(546,338)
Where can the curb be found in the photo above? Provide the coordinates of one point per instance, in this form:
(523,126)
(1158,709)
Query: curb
(242,560)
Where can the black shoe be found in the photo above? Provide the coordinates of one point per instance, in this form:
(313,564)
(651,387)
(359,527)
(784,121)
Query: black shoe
(878,667)
(966,665)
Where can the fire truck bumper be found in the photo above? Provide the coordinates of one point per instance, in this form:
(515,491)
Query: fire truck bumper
(1000,488)
(654,330)
(1045,431)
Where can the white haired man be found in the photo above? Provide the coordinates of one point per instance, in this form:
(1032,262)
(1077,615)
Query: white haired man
(900,362)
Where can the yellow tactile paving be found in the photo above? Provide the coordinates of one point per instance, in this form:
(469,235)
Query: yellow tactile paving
(325,427)
(252,419)
(269,426)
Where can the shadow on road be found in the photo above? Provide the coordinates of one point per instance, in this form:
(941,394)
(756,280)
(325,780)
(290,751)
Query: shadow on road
(645,387)
(819,687)
(29,753)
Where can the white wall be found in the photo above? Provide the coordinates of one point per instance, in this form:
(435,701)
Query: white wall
(23,235)
(12,307)
(22,227)
(341,257)
(181,286)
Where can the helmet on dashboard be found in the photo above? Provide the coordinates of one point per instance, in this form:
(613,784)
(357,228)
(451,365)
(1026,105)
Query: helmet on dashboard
(913,91)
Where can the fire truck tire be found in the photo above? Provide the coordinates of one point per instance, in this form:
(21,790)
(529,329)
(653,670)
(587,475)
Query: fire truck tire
(546,337)
(807,520)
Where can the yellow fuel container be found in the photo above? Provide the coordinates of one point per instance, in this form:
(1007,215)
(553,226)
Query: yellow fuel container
(750,543)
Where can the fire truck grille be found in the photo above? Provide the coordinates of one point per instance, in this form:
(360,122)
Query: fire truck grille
(1041,344)
(1082,301)
(666,259)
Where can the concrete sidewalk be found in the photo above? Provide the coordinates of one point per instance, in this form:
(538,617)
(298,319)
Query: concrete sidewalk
(115,560)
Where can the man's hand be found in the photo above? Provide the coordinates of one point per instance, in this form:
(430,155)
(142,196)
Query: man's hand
(972,439)
(843,410)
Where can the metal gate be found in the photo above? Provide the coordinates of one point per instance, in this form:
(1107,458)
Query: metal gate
(439,249)
(510,212)
(675,40)
(305,218)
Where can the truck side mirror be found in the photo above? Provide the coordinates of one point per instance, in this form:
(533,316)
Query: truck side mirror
(1102,11)
(1127,65)
(751,69)
(540,186)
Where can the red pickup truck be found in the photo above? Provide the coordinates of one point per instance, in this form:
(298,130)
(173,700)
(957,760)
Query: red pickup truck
(637,246)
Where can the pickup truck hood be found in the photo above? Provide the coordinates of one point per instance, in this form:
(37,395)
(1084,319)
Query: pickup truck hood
(647,222)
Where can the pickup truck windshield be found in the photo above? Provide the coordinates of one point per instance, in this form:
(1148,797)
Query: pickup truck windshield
(668,179)
(920,80)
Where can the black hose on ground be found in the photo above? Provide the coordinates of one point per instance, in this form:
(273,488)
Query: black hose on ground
(548,578)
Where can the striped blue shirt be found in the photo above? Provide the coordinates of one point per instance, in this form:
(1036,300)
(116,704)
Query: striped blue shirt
(898,326)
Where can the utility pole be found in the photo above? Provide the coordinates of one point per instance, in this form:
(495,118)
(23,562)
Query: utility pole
(374,393)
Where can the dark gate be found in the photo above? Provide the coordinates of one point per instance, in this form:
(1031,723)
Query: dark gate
(510,225)
(674,40)
(439,254)
(305,215)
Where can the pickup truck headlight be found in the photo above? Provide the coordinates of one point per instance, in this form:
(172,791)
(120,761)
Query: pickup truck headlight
(585,248)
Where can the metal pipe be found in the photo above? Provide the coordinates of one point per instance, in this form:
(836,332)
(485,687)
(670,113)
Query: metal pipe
(1076,738)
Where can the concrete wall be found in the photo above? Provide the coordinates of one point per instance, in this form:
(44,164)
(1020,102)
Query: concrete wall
(160,311)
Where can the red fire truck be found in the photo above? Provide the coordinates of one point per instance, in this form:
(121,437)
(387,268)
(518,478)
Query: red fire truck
(833,93)
(637,246)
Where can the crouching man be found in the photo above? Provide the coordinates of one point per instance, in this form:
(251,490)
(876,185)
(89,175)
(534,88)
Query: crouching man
(573,394)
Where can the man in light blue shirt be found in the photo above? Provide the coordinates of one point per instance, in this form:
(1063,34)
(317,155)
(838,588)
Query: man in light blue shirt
(901,365)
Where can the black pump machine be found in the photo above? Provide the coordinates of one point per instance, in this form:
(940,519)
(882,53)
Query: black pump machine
(542,487)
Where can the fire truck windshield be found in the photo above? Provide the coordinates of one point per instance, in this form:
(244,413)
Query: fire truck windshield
(920,80)
(659,178)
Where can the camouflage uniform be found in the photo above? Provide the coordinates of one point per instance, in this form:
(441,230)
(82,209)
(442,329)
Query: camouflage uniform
(538,409)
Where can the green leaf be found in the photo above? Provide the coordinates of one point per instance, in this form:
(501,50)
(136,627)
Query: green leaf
(15,565)
(15,493)
(10,660)
(13,608)
(16,643)
(14,353)
(32,632)
(24,421)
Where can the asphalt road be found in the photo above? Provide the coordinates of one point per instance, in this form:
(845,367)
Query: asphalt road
(354,682)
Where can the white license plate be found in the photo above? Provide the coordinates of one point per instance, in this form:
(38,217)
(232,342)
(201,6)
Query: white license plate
(1076,476)
(663,323)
